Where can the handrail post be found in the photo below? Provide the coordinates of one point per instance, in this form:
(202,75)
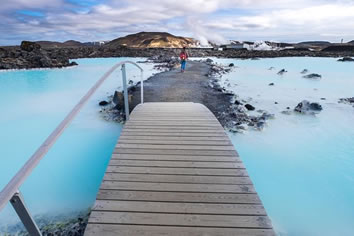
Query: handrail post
(22,211)
(126,97)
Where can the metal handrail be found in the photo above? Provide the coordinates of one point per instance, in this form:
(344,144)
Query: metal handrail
(12,188)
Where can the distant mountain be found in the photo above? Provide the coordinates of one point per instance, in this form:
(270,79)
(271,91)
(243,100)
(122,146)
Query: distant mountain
(51,44)
(351,42)
(316,43)
(153,40)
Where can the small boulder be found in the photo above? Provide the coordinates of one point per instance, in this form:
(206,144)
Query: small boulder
(250,107)
(282,71)
(231,65)
(208,60)
(271,68)
(306,107)
(73,63)
(237,102)
(305,71)
(313,76)
(103,103)
(271,84)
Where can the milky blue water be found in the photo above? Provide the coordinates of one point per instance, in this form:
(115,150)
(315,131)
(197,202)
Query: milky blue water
(302,165)
(32,104)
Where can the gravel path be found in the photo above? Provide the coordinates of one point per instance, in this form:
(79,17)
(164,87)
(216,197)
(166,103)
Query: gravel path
(190,86)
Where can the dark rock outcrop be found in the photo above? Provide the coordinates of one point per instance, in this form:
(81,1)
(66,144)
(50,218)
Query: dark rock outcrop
(345,59)
(312,76)
(29,46)
(347,100)
(103,103)
(282,71)
(30,55)
(307,107)
(250,107)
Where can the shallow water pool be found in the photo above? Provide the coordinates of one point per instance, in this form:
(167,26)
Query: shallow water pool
(33,103)
(302,165)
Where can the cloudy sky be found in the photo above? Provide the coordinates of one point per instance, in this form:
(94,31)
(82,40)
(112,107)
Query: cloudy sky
(215,20)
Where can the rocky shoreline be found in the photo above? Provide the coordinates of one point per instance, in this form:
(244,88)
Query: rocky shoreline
(61,225)
(232,112)
(31,55)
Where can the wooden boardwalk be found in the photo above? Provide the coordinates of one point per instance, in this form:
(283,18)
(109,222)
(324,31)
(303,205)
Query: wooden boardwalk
(175,172)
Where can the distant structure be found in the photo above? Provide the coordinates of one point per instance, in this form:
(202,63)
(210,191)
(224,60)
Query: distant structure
(233,45)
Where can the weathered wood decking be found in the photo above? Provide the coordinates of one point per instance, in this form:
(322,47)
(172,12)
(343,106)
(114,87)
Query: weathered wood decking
(175,172)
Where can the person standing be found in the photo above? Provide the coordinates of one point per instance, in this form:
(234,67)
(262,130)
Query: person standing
(183,56)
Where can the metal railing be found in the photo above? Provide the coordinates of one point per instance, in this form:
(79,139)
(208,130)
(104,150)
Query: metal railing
(10,193)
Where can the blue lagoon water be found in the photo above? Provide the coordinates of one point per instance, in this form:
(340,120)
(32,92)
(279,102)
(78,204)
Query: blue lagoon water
(32,104)
(302,165)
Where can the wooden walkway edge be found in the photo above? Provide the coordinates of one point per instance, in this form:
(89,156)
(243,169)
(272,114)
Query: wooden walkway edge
(175,172)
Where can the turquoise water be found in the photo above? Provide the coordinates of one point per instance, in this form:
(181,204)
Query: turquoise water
(32,104)
(302,165)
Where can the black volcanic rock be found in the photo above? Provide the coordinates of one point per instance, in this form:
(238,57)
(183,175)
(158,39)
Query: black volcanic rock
(344,59)
(30,55)
(306,107)
(282,71)
(250,107)
(312,76)
(29,46)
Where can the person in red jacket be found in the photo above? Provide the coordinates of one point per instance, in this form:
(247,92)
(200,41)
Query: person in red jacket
(183,56)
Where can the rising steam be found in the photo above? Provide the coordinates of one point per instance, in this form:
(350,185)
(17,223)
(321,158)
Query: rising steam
(202,34)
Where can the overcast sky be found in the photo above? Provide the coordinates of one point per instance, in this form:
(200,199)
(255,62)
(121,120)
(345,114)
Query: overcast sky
(215,20)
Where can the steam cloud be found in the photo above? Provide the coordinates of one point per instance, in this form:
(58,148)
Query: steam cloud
(202,34)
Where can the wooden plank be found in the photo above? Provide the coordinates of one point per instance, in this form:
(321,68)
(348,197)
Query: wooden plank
(172,116)
(147,230)
(174,142)
(174,164)
(135,218)
(177,171)
(175,147)
(204,132)
(177,179)
(178,197)
(174,138)
(173,119)
(171,127)
(175,187)
(173,134)
(175,158)
(178,207)
(176,152)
